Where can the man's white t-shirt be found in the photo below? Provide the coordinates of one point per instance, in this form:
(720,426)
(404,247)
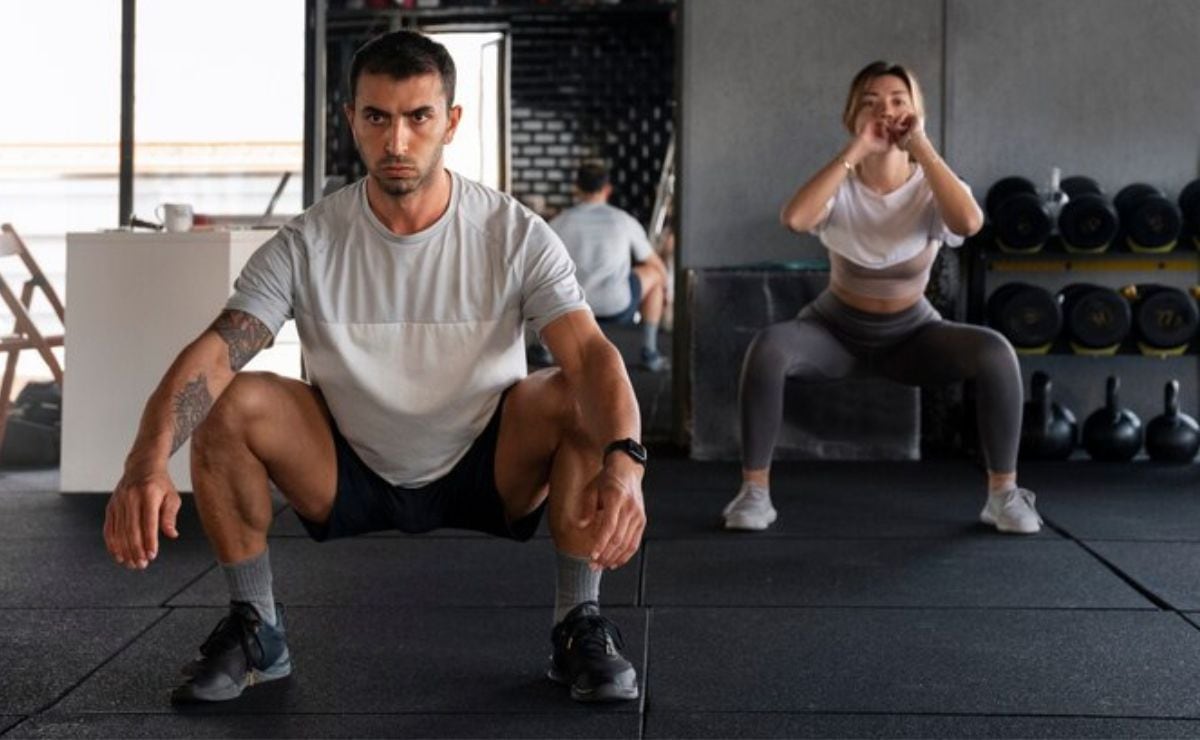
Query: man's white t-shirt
(411,339)
(601,239)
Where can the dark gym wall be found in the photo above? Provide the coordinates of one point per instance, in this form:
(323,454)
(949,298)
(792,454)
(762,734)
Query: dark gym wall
(588,85)
(1106,87)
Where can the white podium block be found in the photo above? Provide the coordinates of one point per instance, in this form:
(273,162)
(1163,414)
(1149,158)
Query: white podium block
(133,302)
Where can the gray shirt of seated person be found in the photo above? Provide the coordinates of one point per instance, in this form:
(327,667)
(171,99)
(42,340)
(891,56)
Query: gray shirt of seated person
(412,339)
(600,239)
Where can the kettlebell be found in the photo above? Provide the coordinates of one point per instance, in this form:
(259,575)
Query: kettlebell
(1173,436)
(1112,433)
(1048,429)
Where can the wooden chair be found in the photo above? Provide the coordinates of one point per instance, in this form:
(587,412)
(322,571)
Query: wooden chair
(24,335)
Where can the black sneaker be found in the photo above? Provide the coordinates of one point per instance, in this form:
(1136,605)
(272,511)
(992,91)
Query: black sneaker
(654,361)
(242,651)
(586,657)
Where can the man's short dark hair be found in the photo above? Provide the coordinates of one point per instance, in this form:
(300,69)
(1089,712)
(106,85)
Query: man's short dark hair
(591,177)
(400,55)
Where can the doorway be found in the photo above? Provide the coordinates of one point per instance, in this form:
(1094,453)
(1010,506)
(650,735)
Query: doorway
(479,151)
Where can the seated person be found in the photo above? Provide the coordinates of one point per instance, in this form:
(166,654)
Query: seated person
(601,239)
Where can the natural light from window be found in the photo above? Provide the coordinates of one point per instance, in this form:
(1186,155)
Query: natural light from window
(219,117)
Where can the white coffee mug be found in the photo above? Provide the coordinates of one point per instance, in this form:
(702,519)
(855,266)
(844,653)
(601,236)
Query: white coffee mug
(175,216)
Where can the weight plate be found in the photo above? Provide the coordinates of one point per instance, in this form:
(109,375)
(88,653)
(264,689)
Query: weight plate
(1165,317)
(1095,317)
(1152,223)
(1130,193)
(1077,185)
(1003,189)
(1022,223)
(1028,315)
(1189,205)
(1087,223)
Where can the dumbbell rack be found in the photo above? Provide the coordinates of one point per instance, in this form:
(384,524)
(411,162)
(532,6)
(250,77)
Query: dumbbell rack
(1079,380)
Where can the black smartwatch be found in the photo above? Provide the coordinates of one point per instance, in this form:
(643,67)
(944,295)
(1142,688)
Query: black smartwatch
(630,447)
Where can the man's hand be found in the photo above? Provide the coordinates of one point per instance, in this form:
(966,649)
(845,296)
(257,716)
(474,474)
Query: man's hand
(613,509)
(141,504)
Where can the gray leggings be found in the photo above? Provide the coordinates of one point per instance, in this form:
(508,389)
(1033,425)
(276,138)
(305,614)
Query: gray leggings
(831,340)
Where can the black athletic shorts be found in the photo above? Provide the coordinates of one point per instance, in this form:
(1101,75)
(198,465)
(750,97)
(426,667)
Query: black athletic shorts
(465,498)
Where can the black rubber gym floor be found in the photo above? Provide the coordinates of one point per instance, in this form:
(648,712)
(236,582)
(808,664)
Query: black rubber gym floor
(877,606)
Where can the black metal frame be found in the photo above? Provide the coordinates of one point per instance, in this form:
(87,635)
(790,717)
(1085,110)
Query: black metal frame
(125,176)
(315,12)
(314,100)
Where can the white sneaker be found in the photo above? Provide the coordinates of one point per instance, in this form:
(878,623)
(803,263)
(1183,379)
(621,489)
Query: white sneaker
(750,509)
(1012,511)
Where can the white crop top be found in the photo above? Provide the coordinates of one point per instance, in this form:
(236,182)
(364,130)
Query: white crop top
(877,231)
(883,246)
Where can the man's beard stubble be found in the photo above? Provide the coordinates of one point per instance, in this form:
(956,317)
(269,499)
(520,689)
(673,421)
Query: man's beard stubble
(397,186)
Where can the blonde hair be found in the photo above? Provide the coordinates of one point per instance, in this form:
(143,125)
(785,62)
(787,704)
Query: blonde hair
(870,73)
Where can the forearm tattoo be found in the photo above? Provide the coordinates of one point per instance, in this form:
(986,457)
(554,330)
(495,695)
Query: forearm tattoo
(244,334)
(192,403)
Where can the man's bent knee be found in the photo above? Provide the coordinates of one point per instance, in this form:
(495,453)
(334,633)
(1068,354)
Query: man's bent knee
(246,398)
(548,394)
(281,423)
(243,399)
(540,418)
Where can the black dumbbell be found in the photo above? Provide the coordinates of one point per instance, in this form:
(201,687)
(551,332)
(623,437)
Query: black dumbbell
(1088,222)
(1174,436)
(1096,319)
(1048,429)
(1112,433)
(1165,319)
(1029,316)
(1020,220)
(1189,206)
(1150,223)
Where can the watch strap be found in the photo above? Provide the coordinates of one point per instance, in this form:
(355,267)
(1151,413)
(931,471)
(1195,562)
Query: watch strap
(630,447)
